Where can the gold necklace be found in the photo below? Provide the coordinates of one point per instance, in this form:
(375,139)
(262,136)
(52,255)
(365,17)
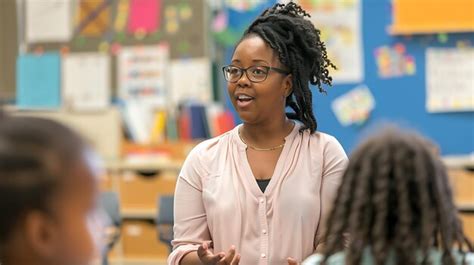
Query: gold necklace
(261,149)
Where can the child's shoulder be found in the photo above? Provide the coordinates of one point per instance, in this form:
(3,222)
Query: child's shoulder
(339,259)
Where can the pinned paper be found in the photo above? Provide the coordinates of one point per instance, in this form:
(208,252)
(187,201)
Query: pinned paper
(340,23)
(48,21)
(38,80)
(141,73)
(94,17)
(393,62)
(144,16)
(197,84)
(354,107)
(449,79)
(86,81)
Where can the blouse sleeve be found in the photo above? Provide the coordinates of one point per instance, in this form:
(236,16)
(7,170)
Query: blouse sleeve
(334,163)
(190,221)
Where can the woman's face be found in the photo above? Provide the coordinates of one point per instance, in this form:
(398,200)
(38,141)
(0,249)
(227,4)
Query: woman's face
(262,101)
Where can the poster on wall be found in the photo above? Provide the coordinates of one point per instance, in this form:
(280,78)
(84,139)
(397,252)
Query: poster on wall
(86,81)
(354,107)
(142,73)
(393,61)
(449,79)
(198,82)
(340,26)
(48,21)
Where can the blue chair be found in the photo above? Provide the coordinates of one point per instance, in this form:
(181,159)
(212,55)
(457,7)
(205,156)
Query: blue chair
(165,219)
(109,203)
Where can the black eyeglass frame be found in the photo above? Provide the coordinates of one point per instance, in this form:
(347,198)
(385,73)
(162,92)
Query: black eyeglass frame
(244,70)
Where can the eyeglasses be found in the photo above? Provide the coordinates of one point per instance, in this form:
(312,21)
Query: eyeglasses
(255,74)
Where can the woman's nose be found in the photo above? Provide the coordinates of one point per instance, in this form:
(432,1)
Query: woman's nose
(243,80)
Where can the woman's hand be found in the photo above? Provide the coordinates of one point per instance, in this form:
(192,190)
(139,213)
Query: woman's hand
(292,261)
(208,258)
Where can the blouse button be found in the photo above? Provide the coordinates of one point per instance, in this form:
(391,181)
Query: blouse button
(263,255)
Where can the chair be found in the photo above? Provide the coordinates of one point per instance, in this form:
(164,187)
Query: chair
(109,203)
(165,219)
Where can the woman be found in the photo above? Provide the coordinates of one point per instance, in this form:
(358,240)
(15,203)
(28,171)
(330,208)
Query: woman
(259,193)
(395,203)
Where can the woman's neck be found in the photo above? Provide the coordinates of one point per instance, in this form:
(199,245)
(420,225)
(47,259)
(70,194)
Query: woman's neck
(271,133)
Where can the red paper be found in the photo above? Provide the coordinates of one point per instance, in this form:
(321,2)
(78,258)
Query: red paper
(144,16)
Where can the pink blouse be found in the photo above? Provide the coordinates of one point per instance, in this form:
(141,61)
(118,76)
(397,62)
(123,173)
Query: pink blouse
(217,198)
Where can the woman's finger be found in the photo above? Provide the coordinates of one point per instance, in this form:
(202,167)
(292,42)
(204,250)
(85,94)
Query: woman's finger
(236,260)
(292,261)
(230,255)
(202,250)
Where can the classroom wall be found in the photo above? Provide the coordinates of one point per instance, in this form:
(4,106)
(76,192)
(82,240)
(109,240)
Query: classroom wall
(401,99)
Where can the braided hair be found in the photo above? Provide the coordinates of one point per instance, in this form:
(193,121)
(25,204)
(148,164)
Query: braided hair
(395,197)
(35,158)
(285,28)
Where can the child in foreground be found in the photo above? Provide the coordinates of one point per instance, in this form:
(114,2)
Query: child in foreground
(396,205)
(48,194)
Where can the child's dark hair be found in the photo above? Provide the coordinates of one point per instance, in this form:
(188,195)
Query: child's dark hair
(299,47)
(395,197)
(35,156)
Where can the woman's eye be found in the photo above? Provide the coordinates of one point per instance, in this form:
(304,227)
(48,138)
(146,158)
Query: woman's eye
(233,71)
(258,71)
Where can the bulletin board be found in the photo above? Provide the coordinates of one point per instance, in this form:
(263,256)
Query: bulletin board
(399,99)
(98,27)
(102,31)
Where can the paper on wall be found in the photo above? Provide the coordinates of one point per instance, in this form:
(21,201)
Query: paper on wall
(354,107)
(340,26)
(48,20)
(86,81)
(142,73)
(191,80)
(38,81)
(93,17)
(392,61)
(145,16)
(449,79)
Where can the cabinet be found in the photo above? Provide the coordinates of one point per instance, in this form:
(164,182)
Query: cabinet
(461,175)
(139,183)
